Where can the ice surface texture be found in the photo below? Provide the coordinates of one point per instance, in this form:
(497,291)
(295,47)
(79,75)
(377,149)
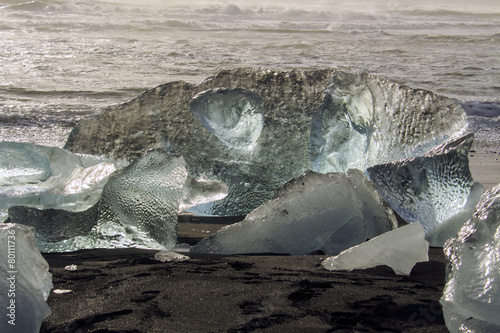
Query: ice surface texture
(22,164)
(471,297)
(48,177)
(138,208)
(313,212)
(435,189)
(399,249)
(252,130)
(31,284)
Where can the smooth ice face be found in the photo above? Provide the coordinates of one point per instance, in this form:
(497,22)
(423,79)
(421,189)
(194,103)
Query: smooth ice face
(314,212)
(399,249)
(71,184)
(22,163)
(23,269)
(138,208)
(254,129)
(471,297)
(435,189)
(235,116)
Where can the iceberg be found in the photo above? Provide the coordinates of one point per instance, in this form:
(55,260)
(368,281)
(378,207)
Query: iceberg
(25,280)
(254,129)
(313,212)
(436,189)
(399,249)
(138,207)
(471,296)
(48,177)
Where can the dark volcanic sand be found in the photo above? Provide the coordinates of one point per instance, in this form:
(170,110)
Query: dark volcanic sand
(127,290)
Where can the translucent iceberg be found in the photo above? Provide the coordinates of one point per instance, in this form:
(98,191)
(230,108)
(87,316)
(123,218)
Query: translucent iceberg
(254,129)
(399,249)
(138,208)
(58,178)
(313,212)
(25,280)
(435,189)
(471,297)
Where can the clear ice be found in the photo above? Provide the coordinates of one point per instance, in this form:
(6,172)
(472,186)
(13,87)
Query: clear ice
(471,297)
(252,129)
(48,177)
(25,280)
(399,249)
(435,189)
(138,208)
(313,212)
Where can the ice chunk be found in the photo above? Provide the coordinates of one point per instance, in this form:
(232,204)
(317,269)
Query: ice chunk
(25,280)
(54,225)
(399,249)
(142,200)
(70,184)
(313,212)
(22,164)
(435,189)
(168,256)
(471,297)
(138,208)
(255,129)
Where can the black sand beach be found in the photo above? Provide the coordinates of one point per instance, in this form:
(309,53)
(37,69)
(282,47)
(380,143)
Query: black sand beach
(127,290)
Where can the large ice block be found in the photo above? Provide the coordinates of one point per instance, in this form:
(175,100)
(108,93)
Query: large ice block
(471,297)
(254,129)
(138,208)
(436,189)
(313,212)
(399,249)
(67,183)
(25,280)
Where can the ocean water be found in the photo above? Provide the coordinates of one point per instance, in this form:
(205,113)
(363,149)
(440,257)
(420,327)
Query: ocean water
(62,60)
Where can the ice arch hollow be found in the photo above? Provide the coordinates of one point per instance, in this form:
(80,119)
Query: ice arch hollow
(235,116)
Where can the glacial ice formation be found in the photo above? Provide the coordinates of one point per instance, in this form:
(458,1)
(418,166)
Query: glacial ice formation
(399,249)
(25,280)
(254,129)
(471,297)
(138,208)
(49,177)
(435,189)
(313,212)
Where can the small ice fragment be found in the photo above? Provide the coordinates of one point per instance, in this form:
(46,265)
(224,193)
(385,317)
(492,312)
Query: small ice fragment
(71,268)
(168,256)
(62,291)
(399,249)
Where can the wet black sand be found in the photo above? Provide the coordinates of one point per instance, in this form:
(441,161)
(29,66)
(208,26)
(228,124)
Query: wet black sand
(126,290)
